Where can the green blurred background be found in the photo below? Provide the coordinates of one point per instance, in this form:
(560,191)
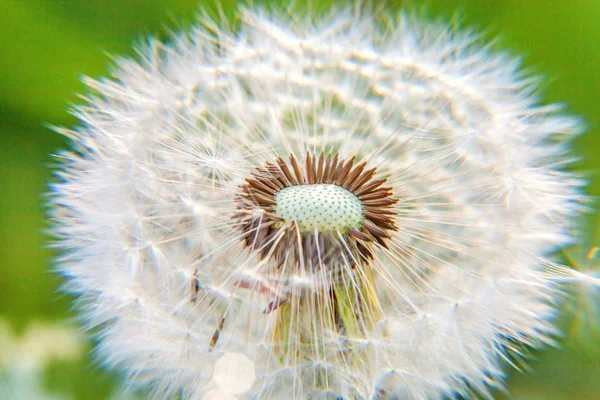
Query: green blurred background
(47,45)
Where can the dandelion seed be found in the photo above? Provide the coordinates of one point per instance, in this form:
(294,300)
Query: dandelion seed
(582,278)
(350,212)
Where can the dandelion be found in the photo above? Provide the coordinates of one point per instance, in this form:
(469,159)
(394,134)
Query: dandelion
(325,208)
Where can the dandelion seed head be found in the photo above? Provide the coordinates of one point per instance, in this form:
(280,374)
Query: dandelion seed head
(354,211)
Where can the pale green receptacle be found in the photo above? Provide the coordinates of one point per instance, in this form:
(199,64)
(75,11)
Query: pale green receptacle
(321,207)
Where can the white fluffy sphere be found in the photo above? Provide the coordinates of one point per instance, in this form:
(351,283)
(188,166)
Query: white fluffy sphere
(166,211)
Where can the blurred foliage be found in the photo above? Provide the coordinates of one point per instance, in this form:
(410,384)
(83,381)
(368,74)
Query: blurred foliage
(46,46)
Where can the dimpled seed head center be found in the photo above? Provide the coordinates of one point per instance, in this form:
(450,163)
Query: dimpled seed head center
(324,207)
